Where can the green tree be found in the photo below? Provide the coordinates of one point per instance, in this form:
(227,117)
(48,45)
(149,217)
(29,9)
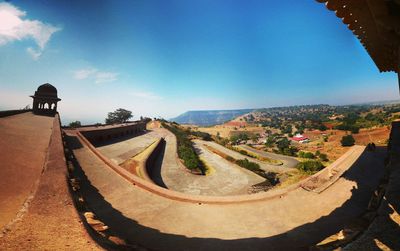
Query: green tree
(322,127)
(255,137)
(323,157)
(307,155)
(118,116)
(347,140)
(282,144)
(270,141)
(75,124)
(234,138)
(27,107)
(287,129)
(354,129)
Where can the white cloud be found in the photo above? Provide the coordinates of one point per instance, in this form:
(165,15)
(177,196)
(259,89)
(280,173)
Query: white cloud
(84,73)
(145,95)
(102,77)
(35,54)
(96,75)
(14,28)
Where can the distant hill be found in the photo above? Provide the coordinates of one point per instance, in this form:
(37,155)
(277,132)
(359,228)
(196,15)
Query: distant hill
(209,118)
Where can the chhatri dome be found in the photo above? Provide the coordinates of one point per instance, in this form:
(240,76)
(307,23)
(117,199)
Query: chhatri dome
(45,100)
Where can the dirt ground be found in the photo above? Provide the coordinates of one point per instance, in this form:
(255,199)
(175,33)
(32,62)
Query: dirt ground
(226,130)
(333,147)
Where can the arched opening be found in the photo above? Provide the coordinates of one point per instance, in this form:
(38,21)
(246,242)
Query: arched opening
(53,106)
(46,106)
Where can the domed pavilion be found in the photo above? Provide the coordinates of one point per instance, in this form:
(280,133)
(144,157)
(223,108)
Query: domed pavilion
(45,100)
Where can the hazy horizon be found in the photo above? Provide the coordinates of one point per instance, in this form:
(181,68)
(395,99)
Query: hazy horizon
(88,121)
(163,58)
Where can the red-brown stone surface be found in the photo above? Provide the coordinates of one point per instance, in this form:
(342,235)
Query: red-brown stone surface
(51,222)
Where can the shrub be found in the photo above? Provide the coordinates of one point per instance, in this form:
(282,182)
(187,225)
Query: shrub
(310,166)
(243,152)
(307,155)
(347,140)
(323,157)
(203,135)
(230,159)
(248,164)
(185,149)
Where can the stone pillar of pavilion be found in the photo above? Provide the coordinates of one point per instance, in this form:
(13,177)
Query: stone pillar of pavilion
(45,100)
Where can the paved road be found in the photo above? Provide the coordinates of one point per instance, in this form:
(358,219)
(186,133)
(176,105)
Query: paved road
(288,161)
(236,155)
(170,173)
(293,221)
(227,178)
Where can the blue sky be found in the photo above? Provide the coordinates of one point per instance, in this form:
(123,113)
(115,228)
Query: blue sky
(162,58)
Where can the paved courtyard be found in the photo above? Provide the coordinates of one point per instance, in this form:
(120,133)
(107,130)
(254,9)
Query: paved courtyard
(121,150)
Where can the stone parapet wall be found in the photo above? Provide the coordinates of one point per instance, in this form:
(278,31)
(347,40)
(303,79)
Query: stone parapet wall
(12,112)
(103,134)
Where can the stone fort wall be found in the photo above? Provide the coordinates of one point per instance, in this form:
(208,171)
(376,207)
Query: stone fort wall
(101,134)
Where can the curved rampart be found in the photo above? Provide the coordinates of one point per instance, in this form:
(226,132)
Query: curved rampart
(141,216)
(202,199)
